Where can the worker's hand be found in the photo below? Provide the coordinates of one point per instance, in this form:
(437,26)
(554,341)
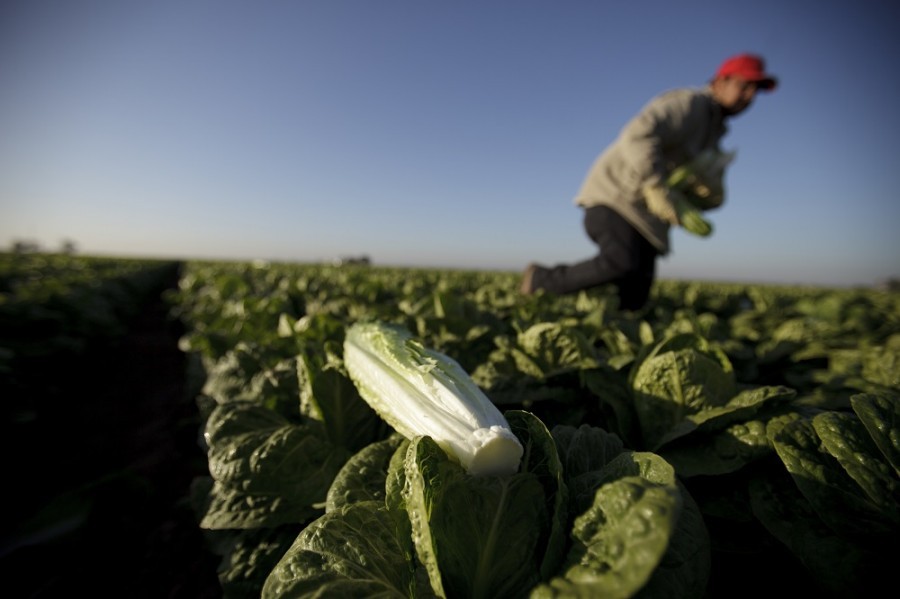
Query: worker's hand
(708,167)
(710,192)
(661,202)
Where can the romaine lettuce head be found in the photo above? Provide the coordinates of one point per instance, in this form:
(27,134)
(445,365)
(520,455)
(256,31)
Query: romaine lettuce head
(477,536)
(634,527)
(437,530)
(672,385)
(404,518)
(422,392)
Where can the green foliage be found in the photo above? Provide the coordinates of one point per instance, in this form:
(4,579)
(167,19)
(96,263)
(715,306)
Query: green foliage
(723,429)
(840,514)
(731,424)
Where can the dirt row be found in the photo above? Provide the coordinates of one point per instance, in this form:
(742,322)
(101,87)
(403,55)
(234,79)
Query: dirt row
(101,471)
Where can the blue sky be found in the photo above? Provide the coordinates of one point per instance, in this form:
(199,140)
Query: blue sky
(444,134)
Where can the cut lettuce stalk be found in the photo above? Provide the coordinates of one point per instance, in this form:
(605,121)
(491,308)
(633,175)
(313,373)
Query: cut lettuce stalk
(691,218)
(692,180)
(422,392)
(707,165)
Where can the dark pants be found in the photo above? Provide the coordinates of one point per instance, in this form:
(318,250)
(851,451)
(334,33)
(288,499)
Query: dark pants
(626,259)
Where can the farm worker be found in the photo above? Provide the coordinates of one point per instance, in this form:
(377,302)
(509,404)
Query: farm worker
(628,208)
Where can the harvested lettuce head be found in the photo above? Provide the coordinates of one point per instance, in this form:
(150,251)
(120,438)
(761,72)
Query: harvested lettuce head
(422,392)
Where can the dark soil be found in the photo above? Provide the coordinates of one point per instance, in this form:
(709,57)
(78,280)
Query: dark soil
(98,473)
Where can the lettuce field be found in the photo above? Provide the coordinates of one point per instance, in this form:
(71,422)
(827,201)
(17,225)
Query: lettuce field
(726,441)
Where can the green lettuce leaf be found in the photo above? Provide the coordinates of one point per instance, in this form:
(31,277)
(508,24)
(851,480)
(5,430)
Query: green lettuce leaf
(329,396)
(619,541)
(685,568)
(670,386)
(880,413)
(846,438)
(673,558)
(554,347)
(584,452)
(364,476)
(839,567)
(742,407)
(478,536)
(250,556)
(352,551)
(248,373)
(719,452)
(267,470)
(835,496)
(542,459)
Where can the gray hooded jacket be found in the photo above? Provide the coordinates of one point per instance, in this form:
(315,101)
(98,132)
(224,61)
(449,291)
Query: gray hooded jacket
(670,130)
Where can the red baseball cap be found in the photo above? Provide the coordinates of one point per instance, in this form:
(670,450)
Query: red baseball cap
(750,67)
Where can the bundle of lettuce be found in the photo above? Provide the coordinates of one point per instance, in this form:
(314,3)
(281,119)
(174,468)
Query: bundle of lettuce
(700,184)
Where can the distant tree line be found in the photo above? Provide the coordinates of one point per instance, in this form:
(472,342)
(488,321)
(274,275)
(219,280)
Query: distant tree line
(890,285)
(346,260)
(24,246)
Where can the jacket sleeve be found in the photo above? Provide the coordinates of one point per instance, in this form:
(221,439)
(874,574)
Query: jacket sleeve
(652,142)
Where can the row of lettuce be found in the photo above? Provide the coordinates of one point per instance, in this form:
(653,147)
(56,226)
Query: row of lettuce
(724,432)
(56,307)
